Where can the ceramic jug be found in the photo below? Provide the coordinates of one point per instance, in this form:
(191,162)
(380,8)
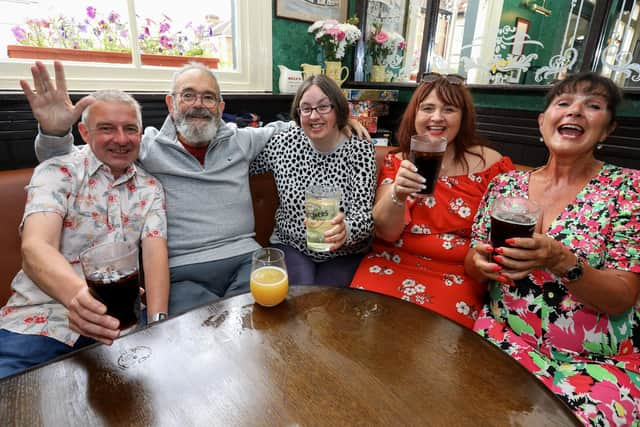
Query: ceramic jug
(309,70)
(289,80)
(336,71)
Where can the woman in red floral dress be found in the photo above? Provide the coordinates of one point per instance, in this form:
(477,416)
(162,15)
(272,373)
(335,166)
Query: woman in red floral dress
(421,242)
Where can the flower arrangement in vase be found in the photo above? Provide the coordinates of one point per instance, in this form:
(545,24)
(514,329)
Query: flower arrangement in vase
(335,37)
(385,49)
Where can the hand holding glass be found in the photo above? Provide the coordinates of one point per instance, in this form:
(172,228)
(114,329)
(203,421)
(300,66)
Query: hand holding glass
(111,272)
(426,154)
(269,282)
(322,204)
(512,217)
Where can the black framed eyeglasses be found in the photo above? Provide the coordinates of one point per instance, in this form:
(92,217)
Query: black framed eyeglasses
(208,99)
(321,109)
(454,79)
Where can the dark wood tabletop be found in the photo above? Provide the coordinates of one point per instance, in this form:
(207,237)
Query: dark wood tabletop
(325,356)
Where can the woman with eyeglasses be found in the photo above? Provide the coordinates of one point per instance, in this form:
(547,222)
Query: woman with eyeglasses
(319,151)
(421,242)
(564,303)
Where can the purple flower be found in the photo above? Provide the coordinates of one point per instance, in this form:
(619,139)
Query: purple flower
(164,27)
(113,17)
(124,34)
(19,33)
(165,42)
(147,31)
(82,28)
(91,12)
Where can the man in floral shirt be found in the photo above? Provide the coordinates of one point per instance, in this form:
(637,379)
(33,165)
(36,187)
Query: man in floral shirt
(91,196)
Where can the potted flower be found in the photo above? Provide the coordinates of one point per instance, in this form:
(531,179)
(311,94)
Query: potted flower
(334,38)
(92,38)
(96,38)
(386,50)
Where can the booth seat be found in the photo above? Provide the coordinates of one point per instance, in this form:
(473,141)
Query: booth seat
(13,197)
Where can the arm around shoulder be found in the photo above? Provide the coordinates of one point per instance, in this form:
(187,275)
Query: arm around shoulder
(48,146)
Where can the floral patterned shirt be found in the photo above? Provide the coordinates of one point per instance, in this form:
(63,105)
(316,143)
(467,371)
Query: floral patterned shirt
(96,208)
(601,226)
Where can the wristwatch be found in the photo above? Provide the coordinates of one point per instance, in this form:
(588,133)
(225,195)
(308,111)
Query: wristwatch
(573,273)
(158,317)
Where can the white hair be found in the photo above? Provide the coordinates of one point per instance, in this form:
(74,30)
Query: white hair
(113,95)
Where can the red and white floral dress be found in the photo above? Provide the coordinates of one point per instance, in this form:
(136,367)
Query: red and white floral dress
(425,265)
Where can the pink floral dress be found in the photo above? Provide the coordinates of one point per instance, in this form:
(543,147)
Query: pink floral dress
(425,266)
(590,360)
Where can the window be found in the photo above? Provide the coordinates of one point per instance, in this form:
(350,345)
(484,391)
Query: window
(620,57)
(233,35)
(508,42)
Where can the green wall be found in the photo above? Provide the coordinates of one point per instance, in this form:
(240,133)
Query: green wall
(293,45)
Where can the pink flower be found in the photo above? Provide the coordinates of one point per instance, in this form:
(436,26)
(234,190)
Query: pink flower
(402,44)
(381,37)
(91,12)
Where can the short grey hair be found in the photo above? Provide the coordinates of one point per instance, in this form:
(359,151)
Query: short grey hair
(194,65)
(113,95)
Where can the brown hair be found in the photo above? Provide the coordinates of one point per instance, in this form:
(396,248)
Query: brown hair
(590,83)
(333,92)
(455,94)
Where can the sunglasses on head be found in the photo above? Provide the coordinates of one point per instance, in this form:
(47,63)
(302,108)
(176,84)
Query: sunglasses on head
(454,79)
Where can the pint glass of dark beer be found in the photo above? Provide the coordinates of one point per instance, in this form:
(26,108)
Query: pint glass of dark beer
(512,217)
(111,272)
(426,154)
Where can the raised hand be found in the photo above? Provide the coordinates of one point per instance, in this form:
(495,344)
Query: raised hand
(50,103)
(408,181)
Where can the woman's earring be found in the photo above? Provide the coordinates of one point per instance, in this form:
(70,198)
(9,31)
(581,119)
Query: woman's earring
(541,139)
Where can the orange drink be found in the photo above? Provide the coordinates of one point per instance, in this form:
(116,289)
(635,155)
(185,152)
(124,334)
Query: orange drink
(269,285)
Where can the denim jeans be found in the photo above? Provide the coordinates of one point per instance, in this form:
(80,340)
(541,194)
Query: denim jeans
(21,351)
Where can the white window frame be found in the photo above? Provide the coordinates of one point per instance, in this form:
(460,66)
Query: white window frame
(253,68)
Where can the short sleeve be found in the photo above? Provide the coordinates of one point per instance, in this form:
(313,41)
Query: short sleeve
(623,243)
(481,224)
(155,224)
(49,189)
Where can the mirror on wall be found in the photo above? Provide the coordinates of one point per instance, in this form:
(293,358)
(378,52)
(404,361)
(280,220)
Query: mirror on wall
(498,42)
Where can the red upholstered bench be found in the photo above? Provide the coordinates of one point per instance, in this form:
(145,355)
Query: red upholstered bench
(13,196)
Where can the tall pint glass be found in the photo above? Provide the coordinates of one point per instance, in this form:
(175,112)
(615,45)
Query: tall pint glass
(426,154)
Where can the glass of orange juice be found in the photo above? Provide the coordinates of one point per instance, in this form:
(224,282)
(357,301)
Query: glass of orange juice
(269,282)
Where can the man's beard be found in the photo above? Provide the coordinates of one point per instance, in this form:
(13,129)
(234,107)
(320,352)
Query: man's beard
(198,132)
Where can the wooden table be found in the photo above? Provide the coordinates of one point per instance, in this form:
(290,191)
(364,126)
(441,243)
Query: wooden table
(324,357)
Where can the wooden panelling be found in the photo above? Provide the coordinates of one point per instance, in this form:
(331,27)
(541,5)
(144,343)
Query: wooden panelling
(512,132)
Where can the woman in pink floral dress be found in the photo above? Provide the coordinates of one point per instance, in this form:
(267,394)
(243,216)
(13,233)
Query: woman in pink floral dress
(421,242)
(563,303)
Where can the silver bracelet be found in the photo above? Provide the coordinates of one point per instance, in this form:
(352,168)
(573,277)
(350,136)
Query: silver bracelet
(394,197)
